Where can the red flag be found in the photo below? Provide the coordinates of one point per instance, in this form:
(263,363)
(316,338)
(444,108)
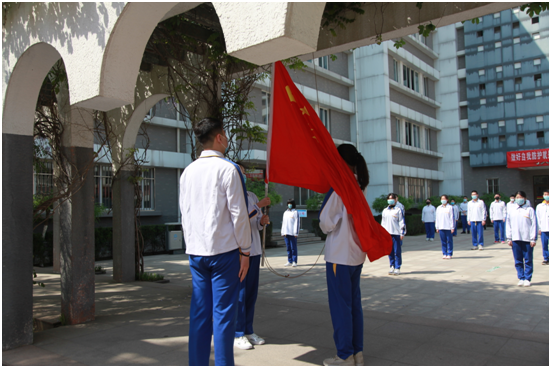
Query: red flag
(301,153)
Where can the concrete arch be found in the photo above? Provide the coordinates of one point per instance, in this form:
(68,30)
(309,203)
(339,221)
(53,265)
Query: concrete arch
(136,120)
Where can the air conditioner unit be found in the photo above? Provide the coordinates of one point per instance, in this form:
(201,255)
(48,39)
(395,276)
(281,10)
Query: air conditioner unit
(175,240)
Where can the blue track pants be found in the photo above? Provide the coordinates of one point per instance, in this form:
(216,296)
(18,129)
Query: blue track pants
(545,245)
(477,232)
(248,292)
(447,242)
(213,307)
(499,229)
(524,256)
(345,305)
(465,224)
(395,256)
(431,229)
(292,251)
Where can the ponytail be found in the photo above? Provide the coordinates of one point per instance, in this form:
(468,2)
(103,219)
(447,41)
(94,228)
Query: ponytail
(355,159)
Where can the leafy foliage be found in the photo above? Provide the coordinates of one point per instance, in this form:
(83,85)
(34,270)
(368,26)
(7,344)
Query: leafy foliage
(380,203)
(399,43)
(425,30)
(335,15)
(258,188)
(149,276)
(534,8)
(314,202)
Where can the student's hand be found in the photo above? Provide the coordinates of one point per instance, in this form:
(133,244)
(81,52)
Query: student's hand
(244,267)
(401,237)
(484,223)
(436,230)
(539,232)
(265,220)
(423,222)
(533,244)
(469,223)
(510,243)
(492,221)
(264,202)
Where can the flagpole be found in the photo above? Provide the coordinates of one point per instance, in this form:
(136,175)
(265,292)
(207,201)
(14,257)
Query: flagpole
(267,176)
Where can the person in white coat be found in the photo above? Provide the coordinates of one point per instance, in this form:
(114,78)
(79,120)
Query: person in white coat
(394,224)
(428,216)
(401,206)
(542,216)
(464,209)
(445,224)
(344,259)
(289,230)
(245,337)
(498,213)
(455,215)
(476,218)
(521,236)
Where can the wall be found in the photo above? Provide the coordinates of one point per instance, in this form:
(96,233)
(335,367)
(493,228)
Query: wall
(413,159)
(410,102)
(339,125)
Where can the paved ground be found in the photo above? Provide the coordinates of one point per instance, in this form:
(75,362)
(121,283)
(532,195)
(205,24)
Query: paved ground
(464,311)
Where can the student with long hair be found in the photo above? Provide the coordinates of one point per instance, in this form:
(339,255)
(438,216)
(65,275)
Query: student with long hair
(445,225)
(344,259)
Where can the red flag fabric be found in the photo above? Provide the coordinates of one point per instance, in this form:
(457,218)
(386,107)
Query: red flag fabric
(301,153)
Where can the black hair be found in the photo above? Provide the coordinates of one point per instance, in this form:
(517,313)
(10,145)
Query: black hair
(546,191)
(512,195)
(292,201)
(428,199)
(352,157)
(444,195)
(465,197)
(521,193)
(392,196)
(474,191)
(497,195)
(207,129)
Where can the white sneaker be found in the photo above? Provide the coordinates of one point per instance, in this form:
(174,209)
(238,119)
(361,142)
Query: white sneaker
(397,271)
(255,339)
(359,358)
(294,264)
(480,247)
(444,257)
(449,257)
(520,283)
(287,264)
(431,239)
(242,343)
(526,283)
(391,272)
(427,239)
(338,361)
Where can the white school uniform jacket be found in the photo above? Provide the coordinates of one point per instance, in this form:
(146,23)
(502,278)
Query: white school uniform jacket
(521,223)
(477,211)
(428,214)
(542,216)
(498,211)
(342,245)
(291,223)
(255,215)
(401,206)
(393,221)
(212,200)
(455,212)
(464,208)
(445,219)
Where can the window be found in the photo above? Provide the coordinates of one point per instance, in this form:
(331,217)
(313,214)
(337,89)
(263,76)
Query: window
(516,25)
(517,65)
(520,121)
(536,36)
(537,61)
(502,138)
(401,186)
(484,140)
(43,178)
(426,86)
(499,68)
(518,80)
(416,189)
(301,195)
(412,135)
(324,117)
(479,33)
(500,99)
(498,44)
(463,112)
(501,123)
(484,125)
(535,20)
(396,76)
(481,72)
(540,134)
(497,15)
(166,108)
(483,101)
(516,40)
(411,78)
(427,139)
(147,186)
(482,87)
(461,62)
(103,193)
(518,96)
(493,185)
(539,119)
(538,92)
(499,84)
(481,48)
(520,136)
(497,29)
(416,136)
(265,107)
(398,125)
(537,77)
(323,62)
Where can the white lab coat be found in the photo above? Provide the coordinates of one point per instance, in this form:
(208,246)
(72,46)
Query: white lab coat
(445,217)
(477,211)
(393,221)
(521,224)
(342,245)
(291,223)
(255,215)
(542,216)
(428,214)
(498,211)
(215,219)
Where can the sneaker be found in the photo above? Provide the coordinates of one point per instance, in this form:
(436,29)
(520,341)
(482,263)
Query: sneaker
(427,239)
(463,232)
(480,247)
(545,263)
(391,272)
(255,339)
(449,257)
(431,239)
(397,272)
(520,283)
(338,361)
(444,257)
(294,264)
(526,283)
(496,242)
(474,248)
(359,358)
(503,242)
(287,264)
(242,343)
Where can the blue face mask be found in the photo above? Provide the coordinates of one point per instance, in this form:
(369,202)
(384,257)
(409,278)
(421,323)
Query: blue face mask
(244,179)
(464,199)
(474,196)
(453,203)
(444,201)
(519,201)
(546,197)
(290,206)
(390,202)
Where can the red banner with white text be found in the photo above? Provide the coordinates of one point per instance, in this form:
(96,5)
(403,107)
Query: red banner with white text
(528,158)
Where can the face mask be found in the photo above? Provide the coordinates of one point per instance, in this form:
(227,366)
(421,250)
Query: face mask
(290,205)
(244,179)
(474,196)
(227,146)
(497,198)
(464,199)
(519,201)
(444,201)
(453,203)
(428,203)
(546,198)
(390,202)
(512,200)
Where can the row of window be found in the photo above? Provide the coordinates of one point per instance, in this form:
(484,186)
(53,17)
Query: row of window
(518,81)
(520,137)
(322,113)
(497,30)
(499,68)
(497,44)
(520,121)
(410,78)
(417,188)
(518,96)
(412,134)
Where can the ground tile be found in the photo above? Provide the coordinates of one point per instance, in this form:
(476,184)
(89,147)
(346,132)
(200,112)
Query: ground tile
(535,352)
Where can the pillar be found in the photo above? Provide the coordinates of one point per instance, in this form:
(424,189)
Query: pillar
(124,252)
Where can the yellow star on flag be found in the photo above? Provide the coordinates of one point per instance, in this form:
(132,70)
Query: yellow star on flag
(304,110)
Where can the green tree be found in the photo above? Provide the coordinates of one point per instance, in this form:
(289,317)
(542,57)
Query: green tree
(380,203)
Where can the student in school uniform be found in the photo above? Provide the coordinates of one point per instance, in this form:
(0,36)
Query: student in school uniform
(401,206)
(344,259)
(464,208)
(498,210)
(245,337)
(289,230)
(542,216)
(428,216)
(455,216)
(393,222)
(217,232)
(445,224)
(521,236)
(476,218)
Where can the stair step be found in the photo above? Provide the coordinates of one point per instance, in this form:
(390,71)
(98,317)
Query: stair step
(281,243)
